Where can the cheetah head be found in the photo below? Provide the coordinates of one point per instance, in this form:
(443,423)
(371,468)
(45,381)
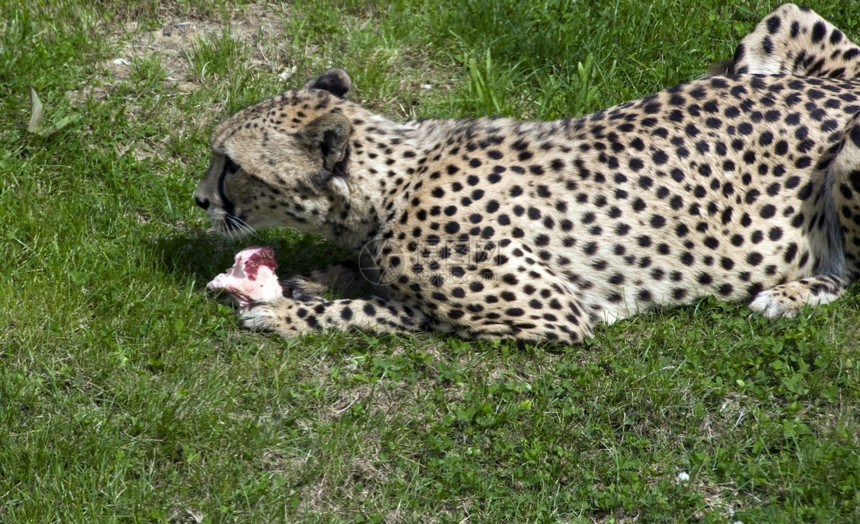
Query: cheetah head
(281,162)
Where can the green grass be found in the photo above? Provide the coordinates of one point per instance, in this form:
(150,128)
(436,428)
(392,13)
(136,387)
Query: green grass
(128,394)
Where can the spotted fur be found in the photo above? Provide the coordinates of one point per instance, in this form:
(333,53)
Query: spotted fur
(744,186)
(795,40)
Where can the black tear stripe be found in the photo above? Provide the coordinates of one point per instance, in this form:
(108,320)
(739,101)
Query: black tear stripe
(230,168)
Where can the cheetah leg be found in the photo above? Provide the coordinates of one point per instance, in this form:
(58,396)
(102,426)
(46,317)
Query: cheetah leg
(796,41)
(563,333)
(344,279)
(844,171)
(290,318)
(551,313)
(846,175)
(788,299)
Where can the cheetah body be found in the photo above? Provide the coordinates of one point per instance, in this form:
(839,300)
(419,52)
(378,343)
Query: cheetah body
(741,186)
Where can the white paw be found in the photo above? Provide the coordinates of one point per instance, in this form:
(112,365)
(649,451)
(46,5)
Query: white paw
(788,299)
(272,316)
(257,318)
(772,304)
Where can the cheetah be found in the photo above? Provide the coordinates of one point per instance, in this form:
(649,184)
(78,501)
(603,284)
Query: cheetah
(745,186)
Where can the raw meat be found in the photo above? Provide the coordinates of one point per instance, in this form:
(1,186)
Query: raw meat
(251,279)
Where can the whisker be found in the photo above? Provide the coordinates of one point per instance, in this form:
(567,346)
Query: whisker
(238,228)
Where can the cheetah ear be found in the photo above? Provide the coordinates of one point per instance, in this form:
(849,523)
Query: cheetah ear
(328,137)
(335,81)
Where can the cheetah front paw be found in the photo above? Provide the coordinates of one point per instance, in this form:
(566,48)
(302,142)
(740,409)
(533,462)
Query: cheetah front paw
(276,316)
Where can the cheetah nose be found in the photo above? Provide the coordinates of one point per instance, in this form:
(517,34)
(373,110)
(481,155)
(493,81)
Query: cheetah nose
(202,202)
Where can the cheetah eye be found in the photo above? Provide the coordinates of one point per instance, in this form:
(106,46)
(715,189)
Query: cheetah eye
(230,167)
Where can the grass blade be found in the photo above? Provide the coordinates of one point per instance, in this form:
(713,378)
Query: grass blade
(36,112)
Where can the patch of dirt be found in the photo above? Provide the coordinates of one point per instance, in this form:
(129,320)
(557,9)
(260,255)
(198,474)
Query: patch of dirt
(257,26)
(721,499)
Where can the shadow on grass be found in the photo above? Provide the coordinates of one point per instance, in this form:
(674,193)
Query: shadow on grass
(203,255)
